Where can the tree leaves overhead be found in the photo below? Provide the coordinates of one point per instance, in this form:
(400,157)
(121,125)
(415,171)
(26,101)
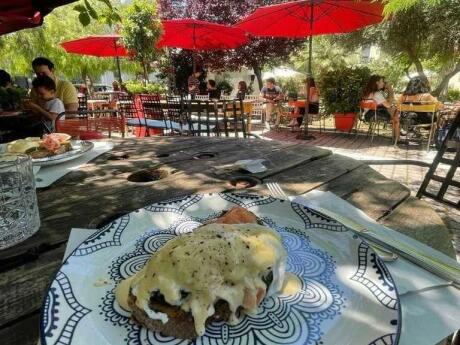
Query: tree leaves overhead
(17,50)
(423,34)
(92,9)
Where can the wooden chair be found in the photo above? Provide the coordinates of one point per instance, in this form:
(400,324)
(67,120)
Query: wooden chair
(418,107)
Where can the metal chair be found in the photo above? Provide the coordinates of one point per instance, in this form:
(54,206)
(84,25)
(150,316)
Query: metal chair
(177,117)
(154,116)
(406,108)
(129,112)
(367,104)
(83,127)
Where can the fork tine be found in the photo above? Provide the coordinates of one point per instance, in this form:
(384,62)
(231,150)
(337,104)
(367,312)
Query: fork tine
(278,189)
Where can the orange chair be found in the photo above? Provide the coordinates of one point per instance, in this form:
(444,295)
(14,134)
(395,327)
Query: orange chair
(374,123)
(83,128)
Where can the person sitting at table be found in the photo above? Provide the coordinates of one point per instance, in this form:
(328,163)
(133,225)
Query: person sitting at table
(272,94)
(417,92)
(10,96)
(213,91)
(116,86)
(381,92)
(65,91)
(50,106)
(313,104)
(242,90)
(193,84)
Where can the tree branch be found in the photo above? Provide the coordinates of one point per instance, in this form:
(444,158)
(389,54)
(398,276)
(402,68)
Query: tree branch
(445,80)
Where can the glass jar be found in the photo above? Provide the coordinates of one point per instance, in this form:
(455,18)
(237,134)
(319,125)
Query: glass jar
(19,217)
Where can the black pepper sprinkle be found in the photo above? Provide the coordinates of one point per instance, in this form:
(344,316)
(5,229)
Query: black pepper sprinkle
(201,242)
(201,251)
(247,246)
(187,253)
(218,236)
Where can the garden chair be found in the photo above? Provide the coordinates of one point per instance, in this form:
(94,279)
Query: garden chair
(154,117)
(130,114)
(408,112)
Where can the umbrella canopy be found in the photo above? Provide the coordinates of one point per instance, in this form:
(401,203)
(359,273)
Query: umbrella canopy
(305,18)
(199,35)
(101,46)
(21,14)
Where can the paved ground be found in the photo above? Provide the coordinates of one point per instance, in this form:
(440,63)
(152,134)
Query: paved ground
(387,159)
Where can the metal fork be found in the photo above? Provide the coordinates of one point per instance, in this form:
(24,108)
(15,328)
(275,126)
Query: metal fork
(277,192)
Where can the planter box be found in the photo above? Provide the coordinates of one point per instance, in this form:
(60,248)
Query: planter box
(345,122)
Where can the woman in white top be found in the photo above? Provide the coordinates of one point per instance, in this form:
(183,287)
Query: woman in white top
(378,90)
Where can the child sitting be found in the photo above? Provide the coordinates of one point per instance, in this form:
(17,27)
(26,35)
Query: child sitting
(50,107)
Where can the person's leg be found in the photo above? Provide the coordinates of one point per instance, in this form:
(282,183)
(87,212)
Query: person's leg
(268,112)
(278,110)
(395,123)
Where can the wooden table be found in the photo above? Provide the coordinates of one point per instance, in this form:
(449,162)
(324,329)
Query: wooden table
(99,192)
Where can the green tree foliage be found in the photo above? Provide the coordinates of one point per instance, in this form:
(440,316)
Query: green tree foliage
(97,10)
(394,6)
(141,31)
(18,49)
(418,37)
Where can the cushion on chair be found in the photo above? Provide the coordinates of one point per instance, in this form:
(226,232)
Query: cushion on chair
(156,124)
(135,122)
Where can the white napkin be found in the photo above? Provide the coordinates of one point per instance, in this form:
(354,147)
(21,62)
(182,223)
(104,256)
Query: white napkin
(49,174)
(252,165)
(430,309)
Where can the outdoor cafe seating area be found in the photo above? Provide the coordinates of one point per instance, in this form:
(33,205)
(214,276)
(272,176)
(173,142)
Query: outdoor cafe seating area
(205,199)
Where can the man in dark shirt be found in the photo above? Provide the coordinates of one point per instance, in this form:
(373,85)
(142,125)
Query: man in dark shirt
(272,95)
(213,91)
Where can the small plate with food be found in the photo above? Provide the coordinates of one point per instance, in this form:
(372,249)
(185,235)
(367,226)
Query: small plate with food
(52,149)
(222,269)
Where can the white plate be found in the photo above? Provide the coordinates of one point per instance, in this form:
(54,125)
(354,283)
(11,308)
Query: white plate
(79,148)
(347,298)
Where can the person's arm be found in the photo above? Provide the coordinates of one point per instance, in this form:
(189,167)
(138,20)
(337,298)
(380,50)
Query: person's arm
(391,94)
(36,109)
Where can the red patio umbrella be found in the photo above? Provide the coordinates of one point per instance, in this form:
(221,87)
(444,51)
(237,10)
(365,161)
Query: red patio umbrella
(101,46)
(198,35)
(300,19)
(21,14)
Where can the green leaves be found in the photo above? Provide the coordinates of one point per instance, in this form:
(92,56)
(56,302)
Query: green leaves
(89,9)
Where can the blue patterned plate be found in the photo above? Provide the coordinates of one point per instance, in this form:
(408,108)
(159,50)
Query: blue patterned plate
(347,295)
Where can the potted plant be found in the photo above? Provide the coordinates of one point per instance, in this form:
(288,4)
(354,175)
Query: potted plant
(341,91)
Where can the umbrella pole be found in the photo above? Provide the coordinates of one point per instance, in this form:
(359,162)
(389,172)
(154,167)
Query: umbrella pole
(119,69)
(117,58)
(304,134)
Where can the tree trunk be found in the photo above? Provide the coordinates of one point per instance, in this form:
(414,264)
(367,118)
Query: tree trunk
(445,80)
(258,73)
(146,75)
(418,64)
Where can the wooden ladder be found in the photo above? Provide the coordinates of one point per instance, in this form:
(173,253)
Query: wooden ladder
(454,163)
